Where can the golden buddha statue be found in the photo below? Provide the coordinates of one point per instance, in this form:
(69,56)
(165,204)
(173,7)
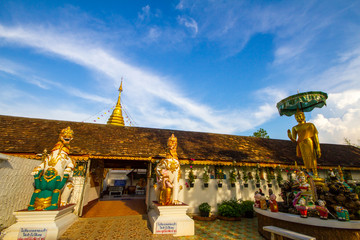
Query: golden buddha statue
(308,147)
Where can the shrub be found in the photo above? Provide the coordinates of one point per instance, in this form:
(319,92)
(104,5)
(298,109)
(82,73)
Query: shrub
(247,208)
(229,208)
(205,207)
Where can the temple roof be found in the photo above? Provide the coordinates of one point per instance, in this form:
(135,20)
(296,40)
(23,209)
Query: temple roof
(31,136)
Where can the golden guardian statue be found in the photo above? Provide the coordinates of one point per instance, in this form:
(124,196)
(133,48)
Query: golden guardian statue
(168,175)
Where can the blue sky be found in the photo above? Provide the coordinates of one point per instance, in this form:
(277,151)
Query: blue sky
(210,66)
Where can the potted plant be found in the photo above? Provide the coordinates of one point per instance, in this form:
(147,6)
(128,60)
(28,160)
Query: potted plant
(220,176)
(247,209)
(232,177)
(191,177)
(279,177)
(205,209)
(245,177)
(269,176)
(257,178)
(206,176)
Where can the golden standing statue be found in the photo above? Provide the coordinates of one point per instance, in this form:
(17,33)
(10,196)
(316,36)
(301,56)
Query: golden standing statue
(168,175)
(308,147)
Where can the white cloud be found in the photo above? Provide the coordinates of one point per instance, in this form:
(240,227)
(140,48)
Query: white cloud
(145,12)
(26,75)
(152,98)
(189,23)
(340,119)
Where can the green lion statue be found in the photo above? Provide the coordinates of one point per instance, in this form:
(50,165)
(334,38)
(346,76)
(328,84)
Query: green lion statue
(52,185)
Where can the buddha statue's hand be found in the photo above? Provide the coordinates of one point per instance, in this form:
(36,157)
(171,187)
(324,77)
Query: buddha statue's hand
(318,153)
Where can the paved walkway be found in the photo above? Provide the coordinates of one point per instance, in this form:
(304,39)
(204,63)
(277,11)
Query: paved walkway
(135,227)
(127,219)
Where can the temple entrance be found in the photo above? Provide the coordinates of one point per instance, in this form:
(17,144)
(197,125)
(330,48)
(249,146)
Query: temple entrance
(122,189)
(124,184)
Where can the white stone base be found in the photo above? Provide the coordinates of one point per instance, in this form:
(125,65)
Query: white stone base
(55,221)
(184,225)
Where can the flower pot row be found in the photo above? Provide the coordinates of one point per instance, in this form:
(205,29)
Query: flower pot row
(232,185)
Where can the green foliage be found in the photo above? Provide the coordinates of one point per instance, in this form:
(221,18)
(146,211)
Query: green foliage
(247,208)
(230,208)
(153,173)
(205,207)
(232,176)
(191,176)
(245,175)
(219,173)
(206,174)
(279,177)
(357,190)
(261,133)
(270,175)
(235,208)
(257,176)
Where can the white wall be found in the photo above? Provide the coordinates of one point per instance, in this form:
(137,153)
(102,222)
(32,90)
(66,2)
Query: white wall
(16,186)
(91,191)
(214,195)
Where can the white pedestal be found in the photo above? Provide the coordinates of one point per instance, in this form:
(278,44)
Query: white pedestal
(171,220)
(54,221)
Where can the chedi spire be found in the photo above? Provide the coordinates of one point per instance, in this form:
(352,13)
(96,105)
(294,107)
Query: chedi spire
(116,117)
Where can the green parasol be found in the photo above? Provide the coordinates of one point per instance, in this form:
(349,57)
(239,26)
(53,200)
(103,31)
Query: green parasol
(305,102)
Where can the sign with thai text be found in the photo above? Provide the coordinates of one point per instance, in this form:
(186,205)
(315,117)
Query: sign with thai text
(32,234)
(166,228)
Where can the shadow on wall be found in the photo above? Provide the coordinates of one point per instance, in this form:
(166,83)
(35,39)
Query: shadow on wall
(17,186)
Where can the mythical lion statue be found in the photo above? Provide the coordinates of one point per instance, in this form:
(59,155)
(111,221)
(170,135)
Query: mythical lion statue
(168,175)
(52,185)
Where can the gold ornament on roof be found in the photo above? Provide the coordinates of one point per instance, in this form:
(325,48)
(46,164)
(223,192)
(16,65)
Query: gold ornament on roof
(116,117)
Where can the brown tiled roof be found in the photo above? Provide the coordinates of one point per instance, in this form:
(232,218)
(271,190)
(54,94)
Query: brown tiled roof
(28,135)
